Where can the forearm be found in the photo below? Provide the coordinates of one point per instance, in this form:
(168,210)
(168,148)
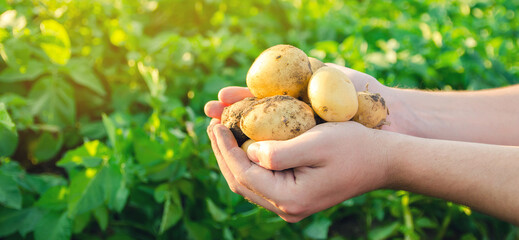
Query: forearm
(484,177)
(486,116)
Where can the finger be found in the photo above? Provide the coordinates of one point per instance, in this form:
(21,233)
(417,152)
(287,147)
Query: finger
(214,109)
(230,95)
(260,180)
(359,79)
(236,187)
(302,151)
(231,181)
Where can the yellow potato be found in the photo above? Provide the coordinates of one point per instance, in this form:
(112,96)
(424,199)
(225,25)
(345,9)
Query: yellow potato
(372,111)
(315,64)
(277,118)
(332,95)
(231,116)
(279,70)
(246,144)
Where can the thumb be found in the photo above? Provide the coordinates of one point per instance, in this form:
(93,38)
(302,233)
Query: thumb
(281,155)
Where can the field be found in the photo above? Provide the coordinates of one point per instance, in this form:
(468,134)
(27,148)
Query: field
(102,130)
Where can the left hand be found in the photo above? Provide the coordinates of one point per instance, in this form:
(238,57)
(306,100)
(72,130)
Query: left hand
(295,178)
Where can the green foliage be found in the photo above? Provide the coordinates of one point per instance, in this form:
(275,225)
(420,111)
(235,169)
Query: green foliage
(8,133)
(102,132)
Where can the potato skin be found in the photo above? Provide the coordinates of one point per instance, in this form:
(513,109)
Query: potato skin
(246,144)
(277,118)
(372,111)
(315,64)
(231,116)
(279,70)
(332,95)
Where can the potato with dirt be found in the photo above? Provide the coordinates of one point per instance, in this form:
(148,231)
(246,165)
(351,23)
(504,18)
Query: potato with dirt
(231,116)
(277,118)
(279,70)
(372,111)
(315,64)
(332,95)
(246,144)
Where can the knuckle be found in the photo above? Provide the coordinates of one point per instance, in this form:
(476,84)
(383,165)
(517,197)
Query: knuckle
(242,179)
(272,158)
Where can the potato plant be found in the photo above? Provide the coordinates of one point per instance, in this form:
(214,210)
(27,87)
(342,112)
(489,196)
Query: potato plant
(102,131)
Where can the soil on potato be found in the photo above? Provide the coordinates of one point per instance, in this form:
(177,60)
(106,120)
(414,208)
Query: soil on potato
(273,101)
(231,118)
(377,98)
(270,103)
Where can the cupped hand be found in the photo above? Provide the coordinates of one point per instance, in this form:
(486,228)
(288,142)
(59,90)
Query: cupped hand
(322,167)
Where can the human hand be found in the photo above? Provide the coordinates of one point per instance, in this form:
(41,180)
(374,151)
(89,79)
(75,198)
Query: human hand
(322,167)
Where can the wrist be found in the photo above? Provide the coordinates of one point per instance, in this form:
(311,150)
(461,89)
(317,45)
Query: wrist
(396,148)
(400,118)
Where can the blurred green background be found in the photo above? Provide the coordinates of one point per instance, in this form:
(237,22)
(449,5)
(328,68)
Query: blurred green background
(102,131)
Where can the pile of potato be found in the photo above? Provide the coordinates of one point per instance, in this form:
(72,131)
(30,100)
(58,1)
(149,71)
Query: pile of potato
(293,93)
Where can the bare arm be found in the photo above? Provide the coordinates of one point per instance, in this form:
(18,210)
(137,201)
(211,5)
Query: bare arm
(484,177)
(486,116)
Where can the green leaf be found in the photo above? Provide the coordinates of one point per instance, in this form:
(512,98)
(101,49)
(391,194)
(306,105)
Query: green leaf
(91,154)
(47,146)
(39,183)
(8,133)
(15,53)
(147,151)
(32,70)
(11,220)
(218,214)
(53,101)
(172,211)
(110,130)
(55,226)
(56,42)
(318,228)
(197,231)
(80,70)
(22,221)
(161,192)
(80,222)
(116,191)
(426,223)
(383,232)
(101,215)
(86,191)
(29,222)
(54,199)
(156,85)
(10,195)
(92,130)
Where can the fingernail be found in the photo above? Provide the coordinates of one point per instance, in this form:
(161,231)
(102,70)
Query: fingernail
(252,152)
